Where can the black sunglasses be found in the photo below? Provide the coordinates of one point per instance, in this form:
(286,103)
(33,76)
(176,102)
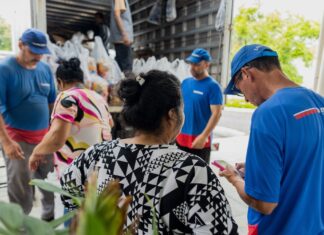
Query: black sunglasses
(237,78)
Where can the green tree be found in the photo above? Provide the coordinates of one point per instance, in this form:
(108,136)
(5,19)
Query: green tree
(5,35)
(292,37)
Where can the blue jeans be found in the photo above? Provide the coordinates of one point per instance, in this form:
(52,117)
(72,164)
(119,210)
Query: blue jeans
(67,223)
(124,57)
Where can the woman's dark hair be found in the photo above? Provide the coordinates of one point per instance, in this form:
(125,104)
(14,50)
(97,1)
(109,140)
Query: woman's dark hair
(70,71)
(148,98)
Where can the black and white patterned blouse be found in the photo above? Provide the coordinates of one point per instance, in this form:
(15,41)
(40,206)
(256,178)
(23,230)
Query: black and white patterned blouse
(186,194)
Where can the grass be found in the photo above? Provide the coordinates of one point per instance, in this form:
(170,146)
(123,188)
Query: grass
(239,103)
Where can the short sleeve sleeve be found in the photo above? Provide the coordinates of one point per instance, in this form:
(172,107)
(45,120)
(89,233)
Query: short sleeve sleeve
(3,89)
(120,5)
(52,93)
(215,95)
(264,156)
(66,107)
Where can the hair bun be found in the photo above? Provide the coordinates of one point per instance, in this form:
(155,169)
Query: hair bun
(74,63)
(148,99)
(69,70)
(129,91)
(65,64)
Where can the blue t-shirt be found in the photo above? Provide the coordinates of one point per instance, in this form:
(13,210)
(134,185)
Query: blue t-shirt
(198,96)
(25,95)
(285,163)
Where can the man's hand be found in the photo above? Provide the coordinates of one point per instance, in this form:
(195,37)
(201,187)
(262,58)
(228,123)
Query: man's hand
(12,150)
(126,40)
(240,167)
(231,174)
(35,160)
(199,142)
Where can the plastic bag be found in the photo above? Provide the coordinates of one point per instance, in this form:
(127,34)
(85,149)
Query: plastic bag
(155,13)
(90,34)
(51,58)
(98,84)
(171,10)
(181,69)
(84,59)
(58,52)
(69,51)
(163,65)
(138,66)
(178,67)
(113,73)
(220,17)
(77,38)
(149,64)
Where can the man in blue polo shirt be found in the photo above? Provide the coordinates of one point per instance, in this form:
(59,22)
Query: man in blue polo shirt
(203,100)
(27,93)
(284,169)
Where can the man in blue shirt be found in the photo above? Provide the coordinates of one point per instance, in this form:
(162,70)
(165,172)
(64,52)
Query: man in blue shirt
(203,100)
(284,169)
(27,93)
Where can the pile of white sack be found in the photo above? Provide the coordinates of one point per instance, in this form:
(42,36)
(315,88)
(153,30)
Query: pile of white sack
(99,68)
(177,67)
(97,65)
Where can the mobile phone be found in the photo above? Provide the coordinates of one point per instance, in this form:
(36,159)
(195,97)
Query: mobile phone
(220,164)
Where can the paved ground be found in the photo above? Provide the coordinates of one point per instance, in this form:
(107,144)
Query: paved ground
(236,119)
(233,150)
(233,144)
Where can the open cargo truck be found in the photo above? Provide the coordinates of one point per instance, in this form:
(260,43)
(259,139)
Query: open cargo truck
(194,27)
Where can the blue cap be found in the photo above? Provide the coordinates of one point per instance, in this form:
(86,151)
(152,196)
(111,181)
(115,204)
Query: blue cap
(36,41)
(199,55)
(245,55)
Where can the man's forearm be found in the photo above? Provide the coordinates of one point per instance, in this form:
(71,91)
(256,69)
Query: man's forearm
(3,133)
(212,122)
(239,186)
(263,207)
(120,24)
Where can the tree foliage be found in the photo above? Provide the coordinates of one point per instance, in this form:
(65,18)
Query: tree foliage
(291,36)
(5,36)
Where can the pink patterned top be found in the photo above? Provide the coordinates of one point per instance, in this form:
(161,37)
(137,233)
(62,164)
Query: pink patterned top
(88,113)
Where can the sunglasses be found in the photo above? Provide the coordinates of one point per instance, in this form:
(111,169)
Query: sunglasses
(235,89)
(237,79)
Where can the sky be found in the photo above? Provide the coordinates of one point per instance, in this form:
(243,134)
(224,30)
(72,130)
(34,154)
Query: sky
(309,9)
(10,8)
(16,12)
